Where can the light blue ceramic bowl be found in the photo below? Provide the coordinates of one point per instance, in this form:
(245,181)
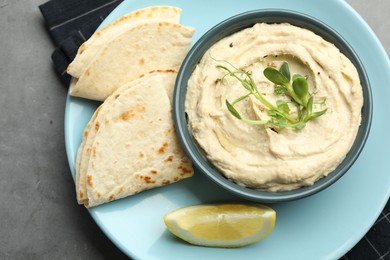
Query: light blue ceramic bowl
(237,23)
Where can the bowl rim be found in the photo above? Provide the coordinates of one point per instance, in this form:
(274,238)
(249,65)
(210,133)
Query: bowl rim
(228,27)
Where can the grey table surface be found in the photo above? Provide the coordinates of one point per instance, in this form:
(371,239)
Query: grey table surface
(39,216)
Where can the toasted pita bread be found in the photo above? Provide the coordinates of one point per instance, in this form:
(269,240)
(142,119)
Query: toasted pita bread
(120,160)
(144,48)
(84,152)
(90,48)
(93,126)
(81,192)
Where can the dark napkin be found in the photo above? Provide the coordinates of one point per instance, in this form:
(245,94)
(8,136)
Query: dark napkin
(70,23)
(376,243)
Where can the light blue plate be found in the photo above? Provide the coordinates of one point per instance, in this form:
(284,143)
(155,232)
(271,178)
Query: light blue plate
(323,226)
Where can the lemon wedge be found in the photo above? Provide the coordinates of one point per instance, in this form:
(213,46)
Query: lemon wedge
(222,224)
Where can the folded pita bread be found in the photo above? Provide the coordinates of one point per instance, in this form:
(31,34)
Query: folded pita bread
(130,144)
(93,126)
(83,154)
(144,48)
(90,48)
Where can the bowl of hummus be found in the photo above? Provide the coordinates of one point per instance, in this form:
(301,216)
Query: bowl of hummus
(272,105)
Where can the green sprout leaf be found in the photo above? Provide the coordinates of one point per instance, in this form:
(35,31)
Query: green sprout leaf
(295,76)
(309,106)
(275,76)
(232,110)
(280,115)
(279,90)
(317,114)
(300,125)
(285,70)
(283,106)
(301,89)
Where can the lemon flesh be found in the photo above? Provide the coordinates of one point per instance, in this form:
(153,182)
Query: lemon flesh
(221,225)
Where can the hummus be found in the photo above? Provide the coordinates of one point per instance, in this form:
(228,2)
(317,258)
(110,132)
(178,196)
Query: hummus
(257,156)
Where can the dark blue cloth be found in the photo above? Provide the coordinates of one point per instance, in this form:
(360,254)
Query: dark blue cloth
(69,24)
(376,243)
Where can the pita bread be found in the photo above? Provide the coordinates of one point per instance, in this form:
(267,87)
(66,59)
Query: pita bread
(134,147)
(93,126)
(81,181)
(83,154)
(144,48)
(90,48)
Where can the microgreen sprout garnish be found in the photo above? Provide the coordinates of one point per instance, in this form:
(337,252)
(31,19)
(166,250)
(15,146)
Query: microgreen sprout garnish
(280,114)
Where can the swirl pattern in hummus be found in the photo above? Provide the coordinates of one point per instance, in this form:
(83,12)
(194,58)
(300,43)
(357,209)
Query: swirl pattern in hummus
(259,157)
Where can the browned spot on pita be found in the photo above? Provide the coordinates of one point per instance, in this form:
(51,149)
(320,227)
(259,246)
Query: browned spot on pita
(103,52)
(96,114)
(89,180)
(141,154)
(98,194)
(166,182)
(185,171)
(82,48)
(163,148)
(184,160)
(116,96)
(168,131)
(164,71)
(126,116)
(85,133)
(176,178)
(106,121)
(147,179)
(87,72)
(153,171)
(137,14)
(169,159)
(111,197)
(122,18)
(94,151)
(121,190)
(168,24)
(132,112)
(142,61)
(81,194)
(97,125)
(160,71)
(119,20)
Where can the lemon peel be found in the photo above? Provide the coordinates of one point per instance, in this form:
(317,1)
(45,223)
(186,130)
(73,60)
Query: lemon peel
(221,224)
